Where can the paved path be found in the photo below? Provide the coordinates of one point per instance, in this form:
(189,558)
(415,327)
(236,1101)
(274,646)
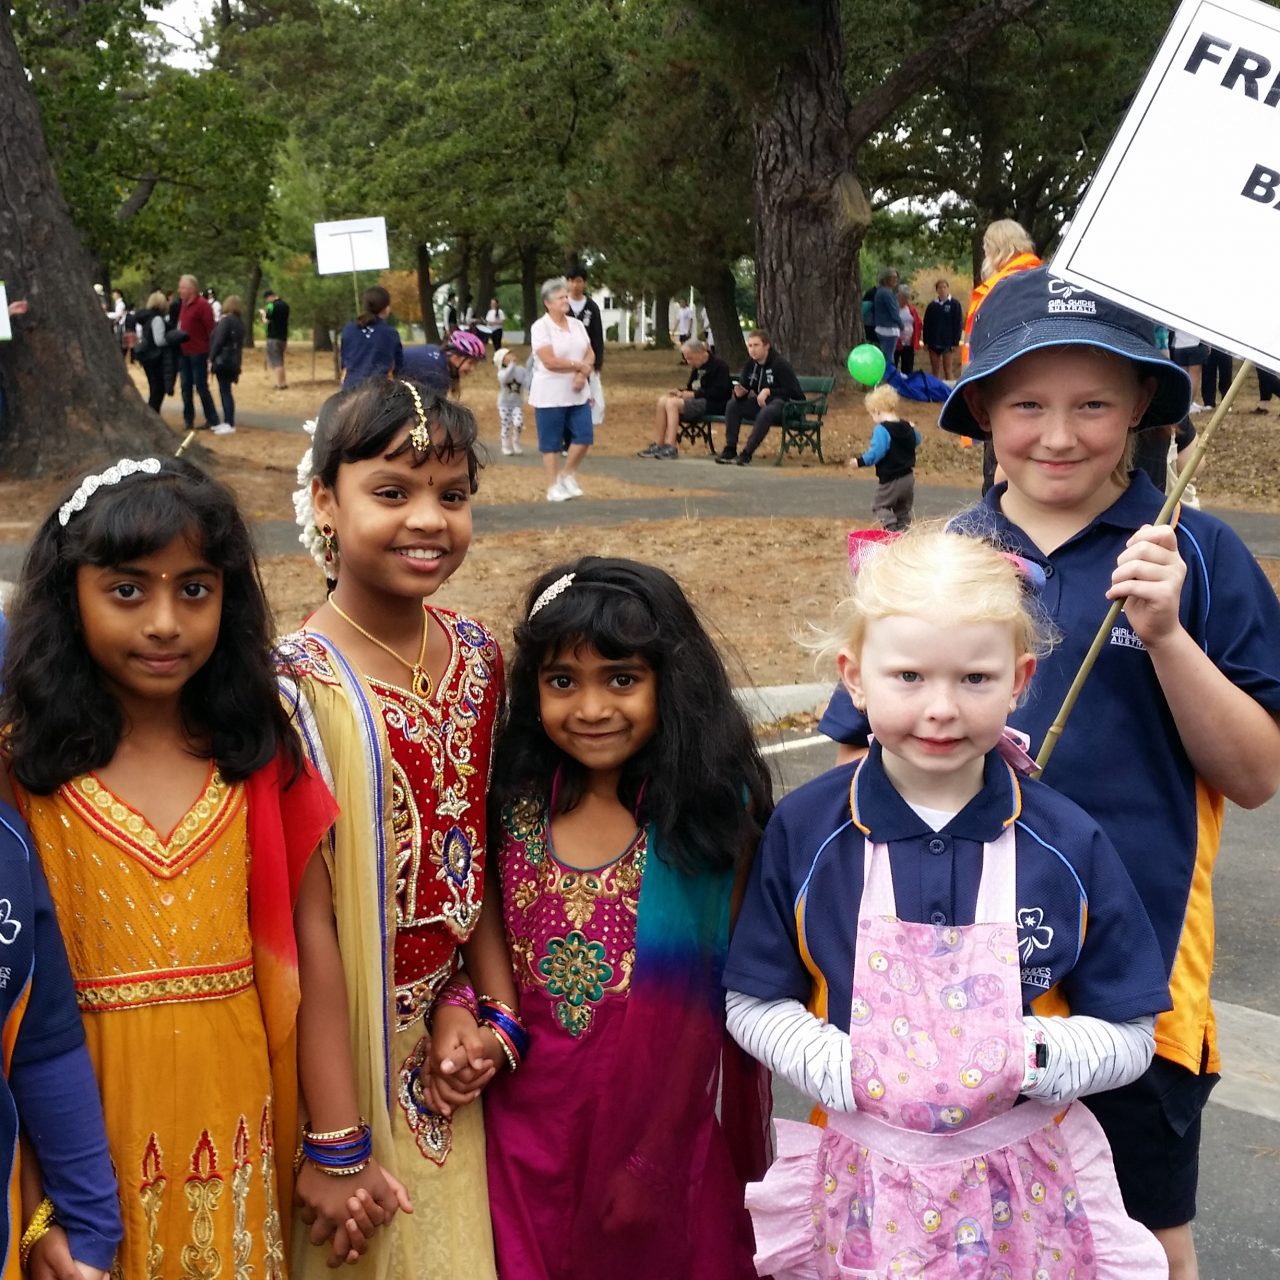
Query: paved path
(693,486)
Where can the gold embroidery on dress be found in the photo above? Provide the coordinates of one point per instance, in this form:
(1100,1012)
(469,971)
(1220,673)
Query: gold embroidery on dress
(432,1132)
(132,989)
(151,1193)
(242,1174)
(414,999)
(272,1240)
(200,1259)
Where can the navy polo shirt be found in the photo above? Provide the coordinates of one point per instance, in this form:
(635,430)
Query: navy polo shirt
(370,351)
(1085,943)
(430,366)
(1120,756)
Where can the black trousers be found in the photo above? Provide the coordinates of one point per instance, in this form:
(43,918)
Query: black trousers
(1268,384)
(761,420)
(905,359)
(154,369)
(1217,374)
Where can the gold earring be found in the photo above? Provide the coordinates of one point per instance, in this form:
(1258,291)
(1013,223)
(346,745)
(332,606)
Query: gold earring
(330,544)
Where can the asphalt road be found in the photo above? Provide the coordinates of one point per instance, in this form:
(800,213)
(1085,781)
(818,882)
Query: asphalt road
(1237,1231)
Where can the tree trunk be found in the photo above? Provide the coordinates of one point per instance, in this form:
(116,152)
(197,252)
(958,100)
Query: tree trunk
(68,399)
(464,275)
(321,336)
(485,279)
(719,296)
(529,255)
(251,303)
(426,295)
(811,213)
(662,320)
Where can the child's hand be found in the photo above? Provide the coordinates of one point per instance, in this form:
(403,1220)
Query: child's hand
(1148,577)
(346,1211)
(459,1064)
(50,1259)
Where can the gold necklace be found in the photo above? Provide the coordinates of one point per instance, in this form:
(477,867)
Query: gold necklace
(420,682)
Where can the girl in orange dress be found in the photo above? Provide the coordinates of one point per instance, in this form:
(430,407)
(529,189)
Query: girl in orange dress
(174,816)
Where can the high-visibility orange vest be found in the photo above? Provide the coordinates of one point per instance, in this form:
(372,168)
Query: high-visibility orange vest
(1023,262)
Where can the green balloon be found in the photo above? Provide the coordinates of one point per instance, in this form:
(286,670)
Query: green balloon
(866,364)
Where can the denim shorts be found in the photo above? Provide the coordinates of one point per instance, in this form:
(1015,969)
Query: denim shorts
(563,424)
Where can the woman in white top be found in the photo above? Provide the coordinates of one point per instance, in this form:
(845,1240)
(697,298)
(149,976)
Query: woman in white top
(558,394)
(494,319)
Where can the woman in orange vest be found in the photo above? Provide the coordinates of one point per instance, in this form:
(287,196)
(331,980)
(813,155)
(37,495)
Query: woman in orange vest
(1006,249)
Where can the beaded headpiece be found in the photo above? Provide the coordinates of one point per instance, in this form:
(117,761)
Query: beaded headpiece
(104,480)
(557,588)
(419,433)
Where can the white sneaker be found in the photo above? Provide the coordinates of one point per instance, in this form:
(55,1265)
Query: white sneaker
(569,482)
(1196,407)
(515,447)
(558,493)
(507,450)
(222,430)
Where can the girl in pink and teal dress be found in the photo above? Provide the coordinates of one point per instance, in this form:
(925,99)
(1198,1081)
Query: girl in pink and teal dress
(628,797)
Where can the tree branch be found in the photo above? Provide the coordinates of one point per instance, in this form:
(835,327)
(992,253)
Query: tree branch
(138,197)
(871,110)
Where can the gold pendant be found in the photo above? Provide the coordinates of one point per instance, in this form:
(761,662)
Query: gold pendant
(420,684)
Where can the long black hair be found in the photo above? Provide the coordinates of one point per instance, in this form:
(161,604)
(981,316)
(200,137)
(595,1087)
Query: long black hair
(62,720)
(365,421)
(700,779)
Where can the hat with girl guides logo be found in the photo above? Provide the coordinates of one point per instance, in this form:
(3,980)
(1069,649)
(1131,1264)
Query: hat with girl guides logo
(1032,310)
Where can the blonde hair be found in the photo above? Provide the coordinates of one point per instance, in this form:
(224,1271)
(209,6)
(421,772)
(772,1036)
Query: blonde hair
(1001,243)
(233,306)
(934,574)
(881,399)
(157,301)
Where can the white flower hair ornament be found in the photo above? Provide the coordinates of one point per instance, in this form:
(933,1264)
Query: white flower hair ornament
(305,514)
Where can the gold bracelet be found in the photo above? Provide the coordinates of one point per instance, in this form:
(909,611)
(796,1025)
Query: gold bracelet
(343,1173)
(298,1158)
(336,1135)
(36,1230)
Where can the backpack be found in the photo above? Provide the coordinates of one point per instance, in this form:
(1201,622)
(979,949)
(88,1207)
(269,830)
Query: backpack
(144,349)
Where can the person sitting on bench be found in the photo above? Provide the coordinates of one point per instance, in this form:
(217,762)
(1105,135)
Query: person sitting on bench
(767,383)
(707,392)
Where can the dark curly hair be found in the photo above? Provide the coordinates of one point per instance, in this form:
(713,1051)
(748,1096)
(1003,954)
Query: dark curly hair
(61,719)
(365,421)
(700,779)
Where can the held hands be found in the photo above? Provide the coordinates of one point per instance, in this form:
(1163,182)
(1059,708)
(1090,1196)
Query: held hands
(51,1259)
(346,1211)
(1148,577)
(462,1060)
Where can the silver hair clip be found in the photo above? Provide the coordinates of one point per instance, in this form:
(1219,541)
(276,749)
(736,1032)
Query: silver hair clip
(419,435)
(557,588)
(104,480)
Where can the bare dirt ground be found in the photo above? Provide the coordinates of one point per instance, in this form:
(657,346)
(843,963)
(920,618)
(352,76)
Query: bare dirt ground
(760,583)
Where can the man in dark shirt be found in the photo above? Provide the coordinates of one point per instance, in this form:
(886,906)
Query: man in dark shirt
(706,392)
(943,327)
(766,384)
(275,316)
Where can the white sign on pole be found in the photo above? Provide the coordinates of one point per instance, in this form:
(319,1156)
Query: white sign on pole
(6,333)
(357,244)
(1182,219)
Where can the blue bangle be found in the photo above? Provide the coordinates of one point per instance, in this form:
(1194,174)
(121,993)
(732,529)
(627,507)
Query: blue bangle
(510,1026)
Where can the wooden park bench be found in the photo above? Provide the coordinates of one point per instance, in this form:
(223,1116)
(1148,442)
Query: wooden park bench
(800,427)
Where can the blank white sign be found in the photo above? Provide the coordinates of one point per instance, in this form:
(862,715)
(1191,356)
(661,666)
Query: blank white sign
(357,244)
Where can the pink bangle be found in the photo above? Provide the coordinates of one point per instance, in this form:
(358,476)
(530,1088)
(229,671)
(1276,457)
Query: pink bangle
(458,993)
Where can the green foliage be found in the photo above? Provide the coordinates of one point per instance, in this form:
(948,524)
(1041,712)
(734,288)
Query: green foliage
(161,167)
(1016,127)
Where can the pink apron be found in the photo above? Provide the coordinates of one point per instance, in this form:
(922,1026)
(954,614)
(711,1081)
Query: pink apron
(938,1174)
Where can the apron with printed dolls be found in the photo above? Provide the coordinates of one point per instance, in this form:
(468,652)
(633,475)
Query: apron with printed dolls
(937,1173)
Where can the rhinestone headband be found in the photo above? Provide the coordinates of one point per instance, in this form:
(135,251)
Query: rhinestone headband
(104,480)
(557,588)
(419,435)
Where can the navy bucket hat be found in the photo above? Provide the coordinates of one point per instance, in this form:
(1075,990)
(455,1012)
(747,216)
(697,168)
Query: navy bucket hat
(1032,310)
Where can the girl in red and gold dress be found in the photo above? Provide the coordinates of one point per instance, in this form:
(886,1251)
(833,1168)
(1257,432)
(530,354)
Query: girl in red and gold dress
(404,697)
